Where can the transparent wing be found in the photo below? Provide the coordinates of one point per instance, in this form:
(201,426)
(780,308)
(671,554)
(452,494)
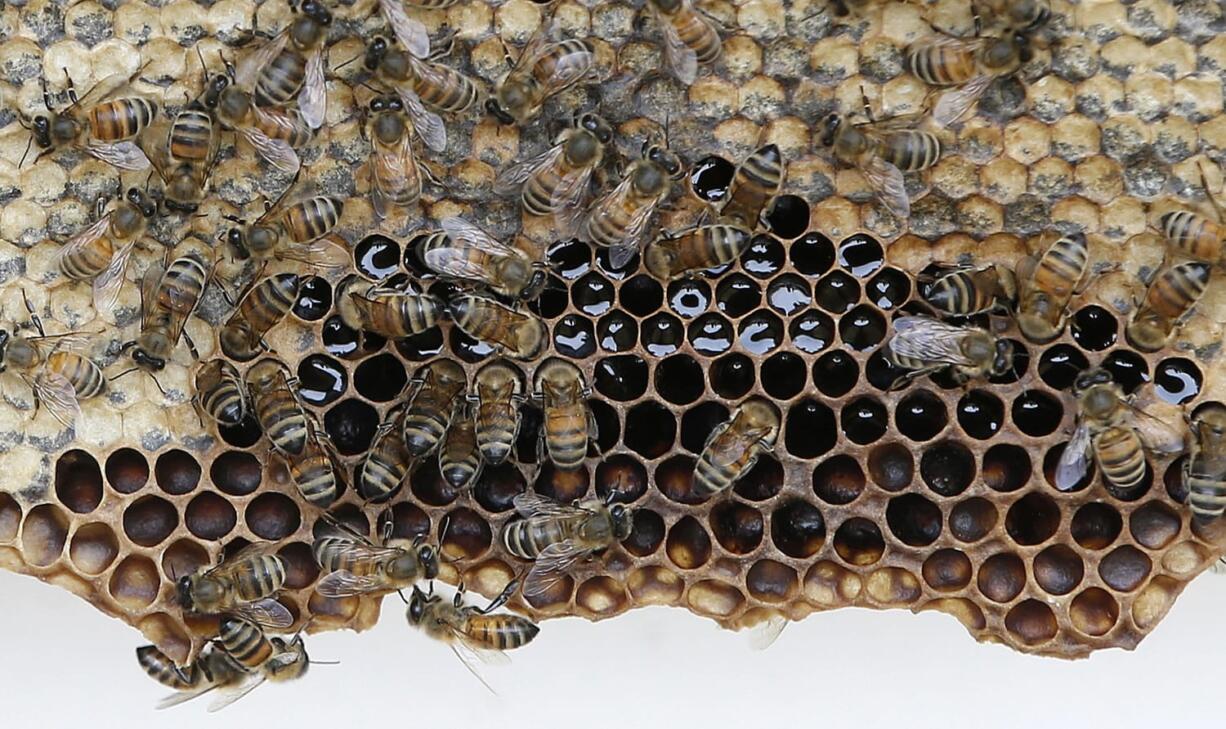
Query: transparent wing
(110,281)
(287,119)
(428,125)
(569,69)
(394,173)
(679,57)
(955,104)
(109,87)
(230,694)
(122,155)
(887,181)
(510,180)
(928,340)
(344,583)
(945,42)
(56,393)
(249,68)
(84,239)
(267,612)
(488,656)
(1075,460)
(313,99)
(530,504)
(181,697)
(276,152)
(469,658)
(329,252)
(620,255)
(764,634)
(550,566)
(1157,435)
(411,33)
(570,189)
(149,284)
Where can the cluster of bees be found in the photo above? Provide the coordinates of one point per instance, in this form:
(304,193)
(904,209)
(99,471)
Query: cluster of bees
(274,100)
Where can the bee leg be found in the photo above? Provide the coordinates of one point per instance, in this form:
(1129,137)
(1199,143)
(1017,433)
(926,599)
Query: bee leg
(46,94)
(191,346)
(502,598)
(72,89)
(38,323)
(429,175)
(446,45)
(1204,181)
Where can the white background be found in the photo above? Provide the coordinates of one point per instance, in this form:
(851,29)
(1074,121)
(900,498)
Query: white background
(64,664)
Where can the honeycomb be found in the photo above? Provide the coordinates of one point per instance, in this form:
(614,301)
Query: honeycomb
(934,497)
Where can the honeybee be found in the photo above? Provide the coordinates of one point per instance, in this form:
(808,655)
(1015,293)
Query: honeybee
(1023,15)
(690,37)
(459,462)
(619,220)
(389,312)
(557,180)
(101,251)
(220,393)
(554,536)
(1107,428)
(273,132)
(55,368)
(1045,287)
(291,65)
(168,297)
(191,148)
(924,346)
(315,471)
(468,253)
(498,390)
(419,83)
(971,63)
(882,151)
(352,565)
(436,386)
(1168,302)
(387,462)
(242,585)
(733,447)
(541,70)
(102,122)
(568,421)
(1204,473)
(213,670)
(966,291)
(1196,236)
(274,401)
(300,232)
(473,633)
(395,178)
(518,332)
(706,246)
(265,304)
(261,658)
(756,183)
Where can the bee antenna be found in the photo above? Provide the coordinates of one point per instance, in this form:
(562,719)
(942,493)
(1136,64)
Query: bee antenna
(403,599)
(29,143)
(121,374)
(323,663)
(157,384)
(346,63)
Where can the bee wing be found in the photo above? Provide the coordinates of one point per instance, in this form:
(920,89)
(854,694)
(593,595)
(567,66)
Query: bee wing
(58,395)
(620,255)
(83,239)
(927,340)
(149,284)
(462,231)
(529,505)
(1158,436)
(679,57)
(276,152)
(887,181)
(570,189)
(1075,460)
(360,544)
(428,125)
(954,104)
(313,99)
(411,33)
(108,87)
(182,697)
(344,583)
(230,694)
(764,634)
(394,171)
(569,69)
(267,612)
(110,281)
(942,41)
(249,68)
(329,252)
(122,155)
(510,180)
(550,566)
(469,658)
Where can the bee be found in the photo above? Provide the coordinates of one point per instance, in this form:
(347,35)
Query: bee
(733,447)
(103,123)
(275,402)
(220,393)
(241,585)
(473,633)
(1204,473)
(55,368)
(100,252)
(387,462)
(703,247)
(429,413)
(883,151)
(387,311)
(291,65)
(1045,286)
(261,658)
(419,83)
(568,421)
(1026,16)
(554,536)
(966,291)
(265,304)
(923,346)
(690,38)
(213,670)
(1196,236)
(352,565)
(1106,428)
(972,64)
(315,471)
(168,297)
(300,232)
(518,332)
(468,253)
(498,390)
(756,183)
(273,132)
(1168,302)
(459,461)
(619,220)
(542,70)
(191,148)
(557,180)
(394,174)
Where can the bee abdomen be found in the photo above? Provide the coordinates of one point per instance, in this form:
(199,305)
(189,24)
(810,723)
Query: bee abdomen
(537,197)
(698,35)
(1121,457)
(163,670)
(265,577)
(382,473)
(502,632)
(315,478)
(495,435)
(566,436)
(280,81)
(941,66)
(84,374)
(182,284)
(911,151)
(314,218)
(1206,495)
(119,119)
(283,422)
(710,479)
(455,94)
(327,551)
(423,431)
(87,262)
(527,539)
(191,136)
(1193,234)
(244,641)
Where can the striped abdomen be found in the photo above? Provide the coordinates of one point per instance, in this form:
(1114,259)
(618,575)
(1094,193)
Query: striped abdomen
(331,554)
(1121,456)
(1205,479)
(386,465)
(315,476)
(86,262)
(1176,291)
(576,53)
(441,87)
(942,65)
(220,390)
(281,80)
(281,417)
(312,219)
(1195,235)
(697,34)
(262,577)
(607,224)
(163,670)
(499,632)
(284,124)
(497,427)
(270,301)
(537,195)
(1062,266)
(910,150)
(964,292)
(397,315)
(425,422)
(527,538)
(244,642)
(119,119)
(84,374)
(566,434)
(756,182)
(191,135)
(182,284)
(714,472)
(459,461)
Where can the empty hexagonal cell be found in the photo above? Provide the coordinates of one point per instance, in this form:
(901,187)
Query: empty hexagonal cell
(760,332)
(135,583)
(1096,525)
(647,534)
(78,481)
(408,521)
(1058,569)
(862,328)
(980,414)
(771,581)
(761,482)
(149,520)
(788,294)
(428,485)
(243,434)
(811,332)
(888,289)
(710,177)
(380,378)
(711,334)
(10,517)
(1094,612)
(1060,364)
(835,373)
(176,472)
(641,295)
(497,486)
(1094,328)
(236,473)
(1032,519)
(622,377)
(920,415)
(732,376)
(836,292)
(764,257)
(675,479)
(689,297)
(859,542)
(651,429)
(1177,380)
(809,429)
(183,557)
(1037,413)
(838,480)
(863,420)
(468,535)
(861,255)
(1128,369)
(272,516)
(972,519)
(737,527)
(783,375)
(561,485)
(1032,622)
(947,468)
(891,466)
(351,424)
(608,426)
(1125,568)
(618,332)
(913,520)
(798,529)
(1154,525)
(688,545)
(698,422)
(662,334)
(322,380)
(592,294)
(947,570)
(788,216)
(127,470)
(93,548)
(679,379)
(314,299)
(209,516)
(812,254)
(1002,577)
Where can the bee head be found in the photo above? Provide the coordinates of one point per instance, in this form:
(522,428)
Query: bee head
(510,102)
(375,53)
(830,129)
(142,201)
(148,361)
(417,606)
(595,124)
(1090,378)
(536,284)
(41,129)
(427,557)
(1025,51)
(183,590)
(316,11)
(237,241)
(387,102)
(212,94)
(623,520)
(1002,362)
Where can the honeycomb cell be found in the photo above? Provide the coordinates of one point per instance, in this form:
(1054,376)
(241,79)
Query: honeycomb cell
(236,473)
(761,482)
(176,472)
(1037,413)
(608,426)
(272,516)
(651,429)
(1154,525)
(882,374)
(812,254)
(314,299)
(888,289)
(556,596)
(1125,568)
(93,548)
(561,485)
(1032,519)
(688,545)
(947,468)
(710,177)
(662,334)
(764,257)
(1173,480)
(1096,525)
(641,296)
(862,328)
(322,380)
(570,259)
(788,216)
(760,332)
(1127,368)
(468,535)
(655,586)
(811,332)
(714,598)
(771,581)
(861,255)
(209,516)
(351,424)
(838,480)
(836,292)
(891,466)
(1052,459)
(698,422)
(376,257)
(10,517)
(497,487)
(1060,364)
(1032,622)
(732,376)
(920,415)
(244,434)
(409,521)
(863,420)
(428,485)
(947,570)
(1177,380)
(1094,328)
(183,557)
(798,529)
(783,375)
(647,534)
(417,348)
(149,520)
(972,519)
(675,479)
(1002,577)
(467,348)
(788,294)
(1058,569)
(617,332)
(689,297)
(380,379)
(1094,612)
(859,542)
(78,481)
(980,414)
(623,476)
(621,377)
(1153,602)
(711,335)
(592,294)
(913,520)
(835,373)
(602,596)
(892,586)
(127,471)
(737,527)
(301,570)
(135,583)
(341,341)
(679,379)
